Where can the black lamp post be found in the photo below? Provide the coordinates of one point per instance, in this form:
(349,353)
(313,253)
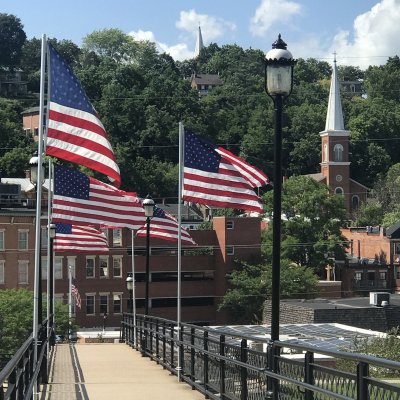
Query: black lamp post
(129,286)
(148,205)
(34,166)
(52,235)
(279,65)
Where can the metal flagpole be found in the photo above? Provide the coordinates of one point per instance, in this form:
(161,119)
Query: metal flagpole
(49,264)
(36,293)
(178,320)
(133,288)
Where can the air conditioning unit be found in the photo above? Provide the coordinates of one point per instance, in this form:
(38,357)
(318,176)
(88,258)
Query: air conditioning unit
(376,298)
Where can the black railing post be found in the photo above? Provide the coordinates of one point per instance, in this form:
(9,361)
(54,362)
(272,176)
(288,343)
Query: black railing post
(309,374)
(205,378)
(192,356)
(164,345)
(157,343)
(182,351)
(172,346)
(150,336)
(362,382)
(222,366)
(243,370)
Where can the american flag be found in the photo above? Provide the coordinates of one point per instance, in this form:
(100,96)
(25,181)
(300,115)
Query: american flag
(216,177)
(80,239)
(82,200)
(77,296)
(75,133)
(165,226)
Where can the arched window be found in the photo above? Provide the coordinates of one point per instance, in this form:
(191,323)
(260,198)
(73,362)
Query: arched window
(339,190)
(355,203)
(338,150)
(325,152)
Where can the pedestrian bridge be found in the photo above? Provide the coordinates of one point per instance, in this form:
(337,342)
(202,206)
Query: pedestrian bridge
(158,359)
(110,371)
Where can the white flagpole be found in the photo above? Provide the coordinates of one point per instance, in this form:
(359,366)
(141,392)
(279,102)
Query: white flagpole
(181,154)
(49,264)
(133,287)
(69,301)
(36,293)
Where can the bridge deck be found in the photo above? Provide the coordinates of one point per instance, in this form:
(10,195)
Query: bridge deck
(110,371)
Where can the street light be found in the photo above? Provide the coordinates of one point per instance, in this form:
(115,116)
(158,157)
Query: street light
(129,287)
(279,65)
(148,205)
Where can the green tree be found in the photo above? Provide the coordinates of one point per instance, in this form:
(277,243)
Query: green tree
(251,286)
(16,311)
(312,225)
(12,38)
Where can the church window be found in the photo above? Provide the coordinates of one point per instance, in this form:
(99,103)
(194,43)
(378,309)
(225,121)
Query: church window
(339,190)
(338,150)
(355,203)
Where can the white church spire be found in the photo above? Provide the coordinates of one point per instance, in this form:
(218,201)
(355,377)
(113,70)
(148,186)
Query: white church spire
(199,44)
(334,115)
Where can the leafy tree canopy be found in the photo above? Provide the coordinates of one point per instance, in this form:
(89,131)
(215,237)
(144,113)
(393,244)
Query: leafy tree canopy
(12,38)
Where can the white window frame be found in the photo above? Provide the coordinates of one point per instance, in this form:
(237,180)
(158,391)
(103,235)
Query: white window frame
(71,262)
(107,296)
(92,259)
(117,237)
(2,271)
(338,152)
(230,224)
(120,297)
(94,302)
(58,267)
(339,191)
(25,240)
(119,258)
(104,259)
(230,250)
(23,264)
(2,238)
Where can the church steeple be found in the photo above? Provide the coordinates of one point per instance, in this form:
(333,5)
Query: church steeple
(334,115)
(199,44)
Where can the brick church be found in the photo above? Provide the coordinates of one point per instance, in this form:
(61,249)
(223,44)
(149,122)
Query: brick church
(335,164)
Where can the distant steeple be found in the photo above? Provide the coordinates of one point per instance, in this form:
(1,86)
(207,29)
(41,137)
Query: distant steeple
(334,116)
(199,44)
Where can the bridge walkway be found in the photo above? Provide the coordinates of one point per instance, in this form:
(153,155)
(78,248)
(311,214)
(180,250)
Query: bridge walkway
(110,371)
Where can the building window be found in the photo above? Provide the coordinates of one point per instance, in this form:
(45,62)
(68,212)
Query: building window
(382,275)
(358,275)
(71,261)
(355,203)
(230,225)
(117,303)
(103,304)
(339,191)
(103,266)
(117,237)
(325,152)
(90,305)
(44,268)
(58,272)
(43,241)
(90,267)
(338,150)
(23,272)
(1,240)
(117,267)
(23,239)
(230,250)
(1,271)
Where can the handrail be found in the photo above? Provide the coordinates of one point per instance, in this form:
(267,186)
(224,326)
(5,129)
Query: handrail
(222,368)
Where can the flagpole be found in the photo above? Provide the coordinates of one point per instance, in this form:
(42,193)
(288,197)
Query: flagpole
(181,152)
(69,301)
(36,292)
(133,287)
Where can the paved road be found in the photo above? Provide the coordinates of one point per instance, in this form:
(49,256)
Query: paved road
(111,371)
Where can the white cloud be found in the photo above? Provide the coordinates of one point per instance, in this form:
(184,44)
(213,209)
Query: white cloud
(376,36)
(270,12)
(178,51)
(211,27)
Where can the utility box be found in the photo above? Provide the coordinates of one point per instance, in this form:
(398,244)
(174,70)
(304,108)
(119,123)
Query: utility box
(376,298)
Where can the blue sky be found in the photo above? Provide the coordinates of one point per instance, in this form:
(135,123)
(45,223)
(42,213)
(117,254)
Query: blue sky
(362,32)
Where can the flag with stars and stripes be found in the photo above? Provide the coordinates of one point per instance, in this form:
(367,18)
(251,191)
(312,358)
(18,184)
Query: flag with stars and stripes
(76,294)
(165,226)
(80,239)
(74,132)
(82,200)
(214,176)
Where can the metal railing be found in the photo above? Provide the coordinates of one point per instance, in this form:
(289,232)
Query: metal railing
(232,368)
(20,375)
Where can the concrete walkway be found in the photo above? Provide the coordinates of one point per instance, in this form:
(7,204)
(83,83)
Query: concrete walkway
(111,371)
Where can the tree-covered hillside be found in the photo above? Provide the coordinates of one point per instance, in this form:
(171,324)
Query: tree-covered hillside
(141,96)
